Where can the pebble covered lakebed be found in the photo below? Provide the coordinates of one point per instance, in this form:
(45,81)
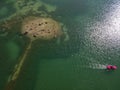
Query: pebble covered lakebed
(68,48)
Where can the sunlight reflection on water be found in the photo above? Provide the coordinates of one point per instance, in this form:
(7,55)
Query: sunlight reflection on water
(106,33)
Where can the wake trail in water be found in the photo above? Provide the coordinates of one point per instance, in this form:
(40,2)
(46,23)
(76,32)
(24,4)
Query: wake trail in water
(94,64)
(97,66)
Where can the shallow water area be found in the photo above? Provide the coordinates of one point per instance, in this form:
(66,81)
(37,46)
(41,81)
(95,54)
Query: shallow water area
(79,63)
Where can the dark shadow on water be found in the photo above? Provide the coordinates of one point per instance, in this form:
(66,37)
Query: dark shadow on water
(109,72)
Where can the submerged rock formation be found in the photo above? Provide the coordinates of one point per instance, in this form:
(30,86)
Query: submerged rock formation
(35,21)
(34,28)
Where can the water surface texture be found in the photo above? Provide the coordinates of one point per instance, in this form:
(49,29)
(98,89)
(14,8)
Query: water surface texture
(93,27)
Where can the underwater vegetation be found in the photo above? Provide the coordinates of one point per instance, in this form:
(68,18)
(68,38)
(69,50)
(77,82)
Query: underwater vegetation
(34,21)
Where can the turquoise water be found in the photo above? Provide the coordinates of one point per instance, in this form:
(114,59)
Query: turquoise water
(78,64)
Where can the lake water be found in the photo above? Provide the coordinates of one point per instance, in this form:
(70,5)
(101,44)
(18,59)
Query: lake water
(77,64)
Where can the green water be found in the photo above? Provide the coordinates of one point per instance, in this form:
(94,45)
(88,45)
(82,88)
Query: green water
(78,64)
